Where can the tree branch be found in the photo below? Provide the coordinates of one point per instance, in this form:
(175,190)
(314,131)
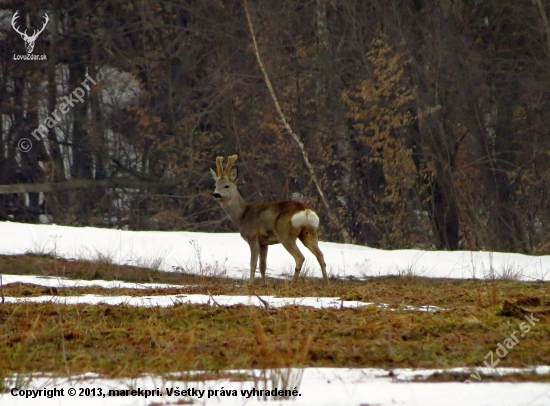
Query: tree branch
(334,220)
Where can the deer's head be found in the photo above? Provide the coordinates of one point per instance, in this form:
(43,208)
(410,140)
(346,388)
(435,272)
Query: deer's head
(226,179)
(29,40)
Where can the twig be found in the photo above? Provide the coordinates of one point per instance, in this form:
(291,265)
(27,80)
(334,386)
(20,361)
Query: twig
(2,289)
(211,297)
(263,301)
(296,137)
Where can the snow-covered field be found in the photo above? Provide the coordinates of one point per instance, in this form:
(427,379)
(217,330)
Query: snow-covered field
(173,299)
(228,254)
(313,386)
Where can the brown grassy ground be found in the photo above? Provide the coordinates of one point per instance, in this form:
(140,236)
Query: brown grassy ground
(128,341)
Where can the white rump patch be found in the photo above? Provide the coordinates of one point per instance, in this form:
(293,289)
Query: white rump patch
(305,217)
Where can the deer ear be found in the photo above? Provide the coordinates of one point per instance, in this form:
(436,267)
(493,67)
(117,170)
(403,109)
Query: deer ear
(233,174)
(214,174)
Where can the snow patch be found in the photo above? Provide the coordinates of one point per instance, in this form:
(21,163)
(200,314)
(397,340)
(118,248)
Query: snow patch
(193,252)
(315,386)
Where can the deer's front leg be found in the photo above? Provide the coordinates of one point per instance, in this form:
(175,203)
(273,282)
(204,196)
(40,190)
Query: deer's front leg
(254,253)
(263,262)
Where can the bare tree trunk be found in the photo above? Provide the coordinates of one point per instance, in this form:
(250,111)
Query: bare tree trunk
(55,152)
(82,158)
(330,116)
(31,169)
(545,22)
(55,203)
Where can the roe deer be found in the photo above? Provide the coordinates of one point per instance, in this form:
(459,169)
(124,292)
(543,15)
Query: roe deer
(263,224)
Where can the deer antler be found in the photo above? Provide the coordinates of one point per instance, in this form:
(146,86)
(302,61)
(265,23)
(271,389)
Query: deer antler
(219,166)
(230,161)
(220,171)
(45,16)
(36,33)
(15,16)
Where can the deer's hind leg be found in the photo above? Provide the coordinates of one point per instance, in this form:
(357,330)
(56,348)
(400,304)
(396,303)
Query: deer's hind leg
(293,249)
(310,239)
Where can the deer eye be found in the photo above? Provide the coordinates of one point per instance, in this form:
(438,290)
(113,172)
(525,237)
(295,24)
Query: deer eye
(226,186)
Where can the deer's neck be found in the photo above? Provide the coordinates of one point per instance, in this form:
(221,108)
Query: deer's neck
(235,209)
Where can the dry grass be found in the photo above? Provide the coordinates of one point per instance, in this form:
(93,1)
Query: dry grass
(462,376)
(393,290)
(128,341)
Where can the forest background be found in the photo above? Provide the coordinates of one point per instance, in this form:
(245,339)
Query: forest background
(424,122)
